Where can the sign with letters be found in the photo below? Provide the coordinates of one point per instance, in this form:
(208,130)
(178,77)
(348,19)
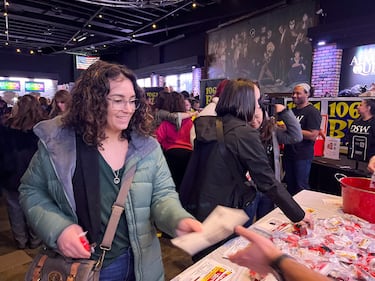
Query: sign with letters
(208,90)
(341,113)
(358,67)
(152,93)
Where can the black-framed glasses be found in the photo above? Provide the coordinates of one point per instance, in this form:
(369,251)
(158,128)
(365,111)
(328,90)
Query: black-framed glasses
(119,103)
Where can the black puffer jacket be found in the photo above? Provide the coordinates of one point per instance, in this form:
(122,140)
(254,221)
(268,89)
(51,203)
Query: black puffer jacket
(208,182)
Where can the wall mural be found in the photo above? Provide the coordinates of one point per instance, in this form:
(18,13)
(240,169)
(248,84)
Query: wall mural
(272,49)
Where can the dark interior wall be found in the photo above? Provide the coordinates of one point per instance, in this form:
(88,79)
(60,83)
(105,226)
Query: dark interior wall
(144,57)
(193,45)
(57,67)
(345,23)
(137,57)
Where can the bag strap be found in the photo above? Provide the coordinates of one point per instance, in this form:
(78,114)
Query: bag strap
(227,155)
(38,268)
(73,271)
(117,210)
(276,156)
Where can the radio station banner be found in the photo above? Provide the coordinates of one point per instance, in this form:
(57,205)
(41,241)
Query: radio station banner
(152,93)
(341,113)
(208,90)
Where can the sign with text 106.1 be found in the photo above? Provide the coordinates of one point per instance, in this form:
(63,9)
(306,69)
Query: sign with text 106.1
(341,115)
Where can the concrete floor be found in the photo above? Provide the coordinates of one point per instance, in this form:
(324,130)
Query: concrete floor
(175,260)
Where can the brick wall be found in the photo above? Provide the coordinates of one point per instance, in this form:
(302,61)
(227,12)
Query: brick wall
(325,77)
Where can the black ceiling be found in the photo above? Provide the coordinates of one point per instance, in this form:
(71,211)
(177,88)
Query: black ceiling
(57,26)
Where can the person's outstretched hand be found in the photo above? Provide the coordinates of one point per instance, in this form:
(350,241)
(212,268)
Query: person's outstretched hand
(188,225)
(258,254)
(69,243)
(371,165)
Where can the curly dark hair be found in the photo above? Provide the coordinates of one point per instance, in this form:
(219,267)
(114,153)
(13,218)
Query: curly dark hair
(174,102)
(88,112)
(26,113)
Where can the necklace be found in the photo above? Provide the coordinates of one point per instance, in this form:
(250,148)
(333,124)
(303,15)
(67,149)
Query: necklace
(116,179)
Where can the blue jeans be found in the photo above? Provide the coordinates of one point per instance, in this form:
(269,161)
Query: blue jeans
(251,209)
(121,269)
(265,205)
(297,173)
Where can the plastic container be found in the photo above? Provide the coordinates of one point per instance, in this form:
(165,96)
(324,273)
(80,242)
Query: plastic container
(319,146)
(357,197)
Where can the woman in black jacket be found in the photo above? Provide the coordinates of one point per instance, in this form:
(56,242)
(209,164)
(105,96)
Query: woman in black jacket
(18,144)
(236,107)
(211,180)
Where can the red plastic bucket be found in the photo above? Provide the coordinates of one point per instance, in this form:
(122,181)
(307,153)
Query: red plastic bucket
(357,197)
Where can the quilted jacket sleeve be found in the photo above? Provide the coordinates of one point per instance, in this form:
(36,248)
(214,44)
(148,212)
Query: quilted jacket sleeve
(43,200)
(166,208)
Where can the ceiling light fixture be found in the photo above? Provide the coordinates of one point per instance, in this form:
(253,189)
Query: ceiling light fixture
(6,4)
(81,38)
(132,3)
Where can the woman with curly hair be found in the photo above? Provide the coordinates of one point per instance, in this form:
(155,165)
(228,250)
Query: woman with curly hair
(18,144)
(75,176)
(61,103)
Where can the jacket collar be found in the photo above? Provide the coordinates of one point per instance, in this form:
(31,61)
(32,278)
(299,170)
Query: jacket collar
(60,142)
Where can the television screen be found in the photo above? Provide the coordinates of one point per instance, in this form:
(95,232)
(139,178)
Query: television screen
(6,85)
(31,86)
(83,62)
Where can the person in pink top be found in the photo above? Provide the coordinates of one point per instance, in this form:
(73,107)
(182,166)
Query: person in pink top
(175,143)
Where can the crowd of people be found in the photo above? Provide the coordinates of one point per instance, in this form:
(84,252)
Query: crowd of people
(70,157)
(18,144)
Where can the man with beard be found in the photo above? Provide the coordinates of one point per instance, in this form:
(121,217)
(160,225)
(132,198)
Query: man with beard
(298,157)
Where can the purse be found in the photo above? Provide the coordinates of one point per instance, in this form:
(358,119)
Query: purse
(49,265)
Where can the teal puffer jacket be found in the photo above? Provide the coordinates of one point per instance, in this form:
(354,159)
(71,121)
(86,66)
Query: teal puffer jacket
(46,194)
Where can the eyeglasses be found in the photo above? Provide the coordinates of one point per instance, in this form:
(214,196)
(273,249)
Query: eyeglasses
(119,103)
